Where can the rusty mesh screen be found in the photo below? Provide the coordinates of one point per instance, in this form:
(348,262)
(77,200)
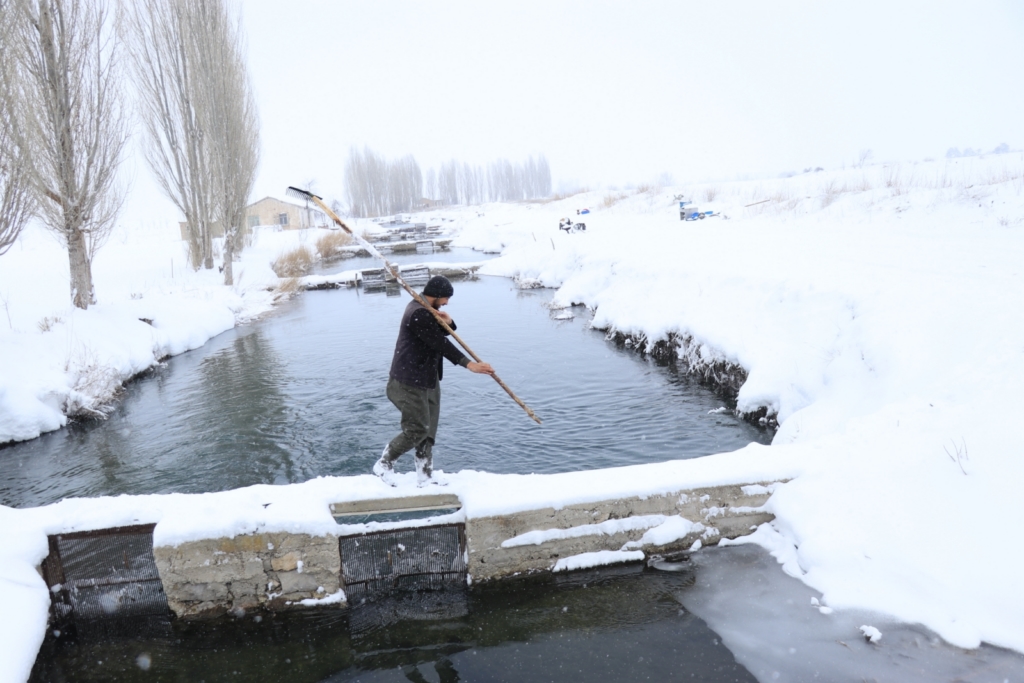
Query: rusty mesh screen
(109,573)
(416,559)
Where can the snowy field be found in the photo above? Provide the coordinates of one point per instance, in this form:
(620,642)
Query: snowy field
(876,312)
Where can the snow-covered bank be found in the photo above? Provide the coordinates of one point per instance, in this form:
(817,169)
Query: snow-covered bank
(56,360)
(875,311)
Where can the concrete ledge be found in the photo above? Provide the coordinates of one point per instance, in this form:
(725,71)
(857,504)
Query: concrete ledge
(279,570)
(721,512)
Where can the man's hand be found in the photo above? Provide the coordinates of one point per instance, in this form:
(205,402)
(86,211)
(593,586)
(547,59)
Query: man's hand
(481,368)
(443,315)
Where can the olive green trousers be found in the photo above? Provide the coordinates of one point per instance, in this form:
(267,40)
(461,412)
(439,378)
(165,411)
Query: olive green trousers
(421,409)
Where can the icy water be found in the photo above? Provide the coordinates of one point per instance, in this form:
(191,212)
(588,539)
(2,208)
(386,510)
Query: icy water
(301,394)
(614,625)
(731,617)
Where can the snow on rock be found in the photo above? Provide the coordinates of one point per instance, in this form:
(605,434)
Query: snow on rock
(672,529)
(871,634)
(336,598)
(599,558)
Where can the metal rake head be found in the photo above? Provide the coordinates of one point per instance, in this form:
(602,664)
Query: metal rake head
(301,194)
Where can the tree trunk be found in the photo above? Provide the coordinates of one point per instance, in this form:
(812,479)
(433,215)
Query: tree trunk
(229,254)
(208,246)
(81,270)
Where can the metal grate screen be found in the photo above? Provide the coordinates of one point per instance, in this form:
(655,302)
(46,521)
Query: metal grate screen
(415,559)
(109,573)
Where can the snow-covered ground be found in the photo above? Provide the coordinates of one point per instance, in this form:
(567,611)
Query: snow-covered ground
(876,310)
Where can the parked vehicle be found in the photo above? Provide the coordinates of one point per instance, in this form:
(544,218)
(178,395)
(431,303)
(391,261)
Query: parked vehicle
(688,212)
(567,225)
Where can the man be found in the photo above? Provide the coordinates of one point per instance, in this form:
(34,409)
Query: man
(415,380)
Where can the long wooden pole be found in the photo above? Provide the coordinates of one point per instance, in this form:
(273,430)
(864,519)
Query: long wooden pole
(393,269)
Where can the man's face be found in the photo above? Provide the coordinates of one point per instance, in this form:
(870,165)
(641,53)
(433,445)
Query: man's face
(440,301)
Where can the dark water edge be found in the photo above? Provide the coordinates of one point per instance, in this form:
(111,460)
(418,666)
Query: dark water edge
(300,394)
(623,624)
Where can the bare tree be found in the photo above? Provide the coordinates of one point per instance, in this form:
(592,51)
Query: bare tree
(62,82)
(200,116)
(16,204)
(376,187)
(231,120)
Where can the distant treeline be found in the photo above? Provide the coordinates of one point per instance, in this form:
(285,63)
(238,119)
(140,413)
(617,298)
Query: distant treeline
(375,186)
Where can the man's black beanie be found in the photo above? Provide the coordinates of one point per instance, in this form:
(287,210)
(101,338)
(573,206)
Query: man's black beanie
(438,287)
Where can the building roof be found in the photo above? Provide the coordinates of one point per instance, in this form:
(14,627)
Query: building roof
(283,201)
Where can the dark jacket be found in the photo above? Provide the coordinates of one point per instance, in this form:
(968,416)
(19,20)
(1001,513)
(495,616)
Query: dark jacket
(422,343)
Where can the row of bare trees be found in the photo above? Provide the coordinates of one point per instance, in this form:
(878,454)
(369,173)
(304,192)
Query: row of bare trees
(202,128)
(64,120)
(375,186)
(501,181)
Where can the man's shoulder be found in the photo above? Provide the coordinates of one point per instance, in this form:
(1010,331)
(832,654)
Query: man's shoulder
(419,315)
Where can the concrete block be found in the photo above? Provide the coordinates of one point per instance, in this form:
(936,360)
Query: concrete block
(286,563)
(201,592)
(294,582)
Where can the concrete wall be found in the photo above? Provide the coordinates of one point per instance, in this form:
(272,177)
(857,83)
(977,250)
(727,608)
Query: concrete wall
(723,511)
(210,577)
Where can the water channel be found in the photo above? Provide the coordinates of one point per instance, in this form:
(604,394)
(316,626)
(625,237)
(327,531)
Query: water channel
(300,394)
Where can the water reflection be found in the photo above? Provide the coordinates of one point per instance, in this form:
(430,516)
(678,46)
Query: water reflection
(239,403)
(623,624)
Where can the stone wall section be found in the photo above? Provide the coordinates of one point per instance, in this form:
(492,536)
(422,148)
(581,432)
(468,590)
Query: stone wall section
(274,571)
(723,512)
(278,570)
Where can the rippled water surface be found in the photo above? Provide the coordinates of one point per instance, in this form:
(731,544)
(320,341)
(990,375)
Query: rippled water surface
(301,394)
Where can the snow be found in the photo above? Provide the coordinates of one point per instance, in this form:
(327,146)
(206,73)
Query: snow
(871,634)
(600,558)
(335,598)
(608,528)
(771,624)
(875,312)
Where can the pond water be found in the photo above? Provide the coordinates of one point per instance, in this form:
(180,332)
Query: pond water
(300,394)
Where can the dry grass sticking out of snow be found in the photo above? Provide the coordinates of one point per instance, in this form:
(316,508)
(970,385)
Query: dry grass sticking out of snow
(329,246)
(294,263)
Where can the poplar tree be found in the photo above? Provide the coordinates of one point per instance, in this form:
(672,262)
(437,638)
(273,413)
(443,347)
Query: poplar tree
(66,120)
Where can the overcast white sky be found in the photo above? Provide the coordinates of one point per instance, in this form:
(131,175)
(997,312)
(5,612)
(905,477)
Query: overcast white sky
(620,92)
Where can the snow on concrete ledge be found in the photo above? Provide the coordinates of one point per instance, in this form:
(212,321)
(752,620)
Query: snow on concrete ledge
(600,558)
